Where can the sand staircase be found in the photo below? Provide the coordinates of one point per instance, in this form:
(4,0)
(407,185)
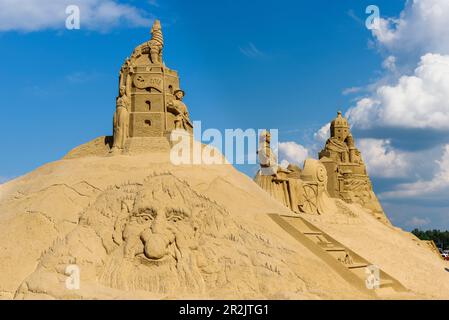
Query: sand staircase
(348,264)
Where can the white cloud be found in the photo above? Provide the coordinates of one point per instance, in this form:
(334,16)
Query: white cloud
(154,3)
(82,77)
(381,159)
(251,51)
(284,164)
(389,63)
(421,28)
(417,222)
(356,18)
(436,188)
(411,97)
(37,15)
(292,152)
(323,133)
(420,100)
(351,90)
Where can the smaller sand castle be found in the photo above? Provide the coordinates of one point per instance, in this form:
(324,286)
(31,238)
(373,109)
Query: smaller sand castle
(346,171)
(340,173)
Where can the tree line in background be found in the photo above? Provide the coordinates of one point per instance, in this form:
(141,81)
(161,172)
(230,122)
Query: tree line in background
(441,238)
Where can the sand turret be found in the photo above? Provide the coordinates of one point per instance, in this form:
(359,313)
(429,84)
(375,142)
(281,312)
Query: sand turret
(150,101)
(347,175)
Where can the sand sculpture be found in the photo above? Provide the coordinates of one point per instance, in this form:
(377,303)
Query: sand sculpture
(340,173)
(137,226)
(346,171)
(149,103)
(161,237)
(300,190)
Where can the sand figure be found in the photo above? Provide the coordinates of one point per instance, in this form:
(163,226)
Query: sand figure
(313,196)
(271,177)
(123,103)
(301,190)
(152,47)
(267,158)
(125,77)
(121,121)
(337,143)
(179,109)
(156,43)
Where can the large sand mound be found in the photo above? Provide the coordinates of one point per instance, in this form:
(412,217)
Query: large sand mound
(139,227)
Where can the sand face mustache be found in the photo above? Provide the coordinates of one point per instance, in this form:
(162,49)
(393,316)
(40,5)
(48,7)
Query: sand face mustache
(152,262)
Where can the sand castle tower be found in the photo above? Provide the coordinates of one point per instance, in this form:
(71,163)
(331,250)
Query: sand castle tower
(149,103)
(347,176)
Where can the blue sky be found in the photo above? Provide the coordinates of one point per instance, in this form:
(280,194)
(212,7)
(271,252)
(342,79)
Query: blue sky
(278,64)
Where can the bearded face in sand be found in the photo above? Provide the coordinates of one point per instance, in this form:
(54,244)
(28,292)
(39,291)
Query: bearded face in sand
(159,249)
(161,239)
(153,229)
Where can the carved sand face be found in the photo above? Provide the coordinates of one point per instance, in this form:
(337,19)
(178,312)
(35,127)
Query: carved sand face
(154,231)
(179,95)
(163,238)
(157,246)
(321,174)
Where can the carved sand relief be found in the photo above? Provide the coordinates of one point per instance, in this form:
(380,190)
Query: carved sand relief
(161,236)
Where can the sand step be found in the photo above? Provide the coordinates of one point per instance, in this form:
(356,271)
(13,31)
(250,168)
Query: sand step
(387,283)
(313,233)
(357,265)
(331,249)
(343,260)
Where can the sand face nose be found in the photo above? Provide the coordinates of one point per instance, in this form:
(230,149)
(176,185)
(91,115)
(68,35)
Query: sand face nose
(155,247)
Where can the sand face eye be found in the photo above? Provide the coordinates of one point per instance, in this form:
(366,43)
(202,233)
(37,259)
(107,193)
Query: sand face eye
(175,215)
(321,174)
(145,215)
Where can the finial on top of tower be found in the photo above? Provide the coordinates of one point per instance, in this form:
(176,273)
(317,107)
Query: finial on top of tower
(156,32)
(339,122)
(156,43)
(152,48)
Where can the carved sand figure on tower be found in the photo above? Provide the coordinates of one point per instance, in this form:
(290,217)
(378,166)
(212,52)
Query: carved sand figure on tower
(267,158)
(125,78)
(338,139)
(303,191)
(179,109)
(123,103)
(121,121)
(154,46)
